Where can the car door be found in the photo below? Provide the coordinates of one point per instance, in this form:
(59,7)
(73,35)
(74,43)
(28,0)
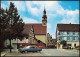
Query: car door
(35,49)
(31,48)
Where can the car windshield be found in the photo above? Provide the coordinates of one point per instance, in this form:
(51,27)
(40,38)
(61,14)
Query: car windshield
(27,46)
(33,47)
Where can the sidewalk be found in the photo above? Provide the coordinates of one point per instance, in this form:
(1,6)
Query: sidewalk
(68,50)
(4,52)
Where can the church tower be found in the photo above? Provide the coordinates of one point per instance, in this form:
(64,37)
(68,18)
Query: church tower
(44,18)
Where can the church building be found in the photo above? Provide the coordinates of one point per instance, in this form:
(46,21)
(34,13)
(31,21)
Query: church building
(39,31)
(37,34)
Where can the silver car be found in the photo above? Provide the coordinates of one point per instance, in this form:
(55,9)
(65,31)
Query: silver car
(30,49)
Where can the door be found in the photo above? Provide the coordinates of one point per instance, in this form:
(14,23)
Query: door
(74,45)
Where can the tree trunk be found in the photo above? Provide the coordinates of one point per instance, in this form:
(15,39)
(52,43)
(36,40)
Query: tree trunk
(10,45)
(17,43)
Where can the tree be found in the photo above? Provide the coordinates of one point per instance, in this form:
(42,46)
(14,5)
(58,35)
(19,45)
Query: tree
(11,25)
(16,24)
(63,42)
(3,27)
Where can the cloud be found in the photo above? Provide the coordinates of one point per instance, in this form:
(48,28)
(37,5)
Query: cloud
(33,11)
(19,4)
(29,20)
(36,7)
(4,6)
(54,11)
(70,16)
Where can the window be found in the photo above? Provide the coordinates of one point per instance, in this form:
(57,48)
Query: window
(77,33)
(68,38)
(62,33)
(65,38)
(73,33)
(74,45)
(70,33)
(74,38)
(67,33)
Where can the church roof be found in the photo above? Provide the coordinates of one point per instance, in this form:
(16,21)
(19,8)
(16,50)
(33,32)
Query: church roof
(27,29)
(38,28)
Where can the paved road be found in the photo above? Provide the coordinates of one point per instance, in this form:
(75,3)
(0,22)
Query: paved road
(24,54)
(59,52)
(46,52)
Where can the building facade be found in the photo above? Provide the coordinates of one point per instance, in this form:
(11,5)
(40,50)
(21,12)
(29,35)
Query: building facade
(51,43)
(69,33)
(48,39)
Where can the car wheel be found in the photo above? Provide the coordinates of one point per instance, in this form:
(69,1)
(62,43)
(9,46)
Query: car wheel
(33,51)
(26,51)
(38,51)
(23,52)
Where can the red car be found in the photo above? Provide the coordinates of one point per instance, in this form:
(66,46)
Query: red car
(40,47)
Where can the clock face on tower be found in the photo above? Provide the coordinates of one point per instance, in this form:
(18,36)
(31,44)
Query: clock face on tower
(44,23)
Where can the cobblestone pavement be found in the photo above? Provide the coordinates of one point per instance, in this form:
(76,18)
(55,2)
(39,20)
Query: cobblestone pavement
(59,52)
(45,52)
(24,54)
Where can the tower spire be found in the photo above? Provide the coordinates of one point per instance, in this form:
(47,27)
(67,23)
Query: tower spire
(44,10)
(44,18)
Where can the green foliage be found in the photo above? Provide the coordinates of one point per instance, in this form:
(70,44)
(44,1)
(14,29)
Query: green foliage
(11,24)
(63,42)
(3,27)
(15,22)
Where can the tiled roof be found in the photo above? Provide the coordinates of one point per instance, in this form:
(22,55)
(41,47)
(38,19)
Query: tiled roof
(38,28)
(27,28)
(68,27)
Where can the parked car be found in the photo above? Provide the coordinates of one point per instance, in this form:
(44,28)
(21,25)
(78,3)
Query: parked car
(40,47)
(70,47)
(78,48)
(30,49)
(67,47)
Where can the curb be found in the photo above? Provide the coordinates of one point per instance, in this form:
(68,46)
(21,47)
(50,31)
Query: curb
(2,55)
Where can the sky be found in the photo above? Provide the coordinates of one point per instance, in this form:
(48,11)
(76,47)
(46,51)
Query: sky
(56,11)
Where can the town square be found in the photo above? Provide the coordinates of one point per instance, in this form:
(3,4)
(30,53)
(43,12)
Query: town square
(39,28)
